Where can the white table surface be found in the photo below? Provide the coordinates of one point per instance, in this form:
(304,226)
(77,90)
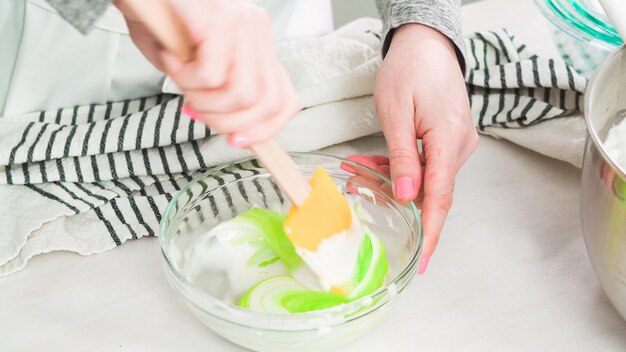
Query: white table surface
(510,274)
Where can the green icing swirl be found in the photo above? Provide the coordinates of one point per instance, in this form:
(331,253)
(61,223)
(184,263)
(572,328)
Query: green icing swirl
(364,258)
(619,186)
(283,294)
(372,267)
(270,223)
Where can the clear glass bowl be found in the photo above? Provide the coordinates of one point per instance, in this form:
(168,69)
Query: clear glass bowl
(223,192)
(582,32)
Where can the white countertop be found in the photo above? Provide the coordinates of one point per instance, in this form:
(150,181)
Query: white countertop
(511,272)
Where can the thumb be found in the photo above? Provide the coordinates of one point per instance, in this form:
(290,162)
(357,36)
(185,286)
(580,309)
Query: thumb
(193,15)
(404,161)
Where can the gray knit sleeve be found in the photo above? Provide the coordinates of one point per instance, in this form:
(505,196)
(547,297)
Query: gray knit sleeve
(442,15)
(82,14)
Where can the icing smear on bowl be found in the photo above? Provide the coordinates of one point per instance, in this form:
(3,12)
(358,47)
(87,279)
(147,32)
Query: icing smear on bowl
(615,143)
(249,261)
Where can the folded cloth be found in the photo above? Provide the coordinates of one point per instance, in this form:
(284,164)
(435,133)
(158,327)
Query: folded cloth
(518,96)
(88,178)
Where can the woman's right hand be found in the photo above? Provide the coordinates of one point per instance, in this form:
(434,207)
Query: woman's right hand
(235,82)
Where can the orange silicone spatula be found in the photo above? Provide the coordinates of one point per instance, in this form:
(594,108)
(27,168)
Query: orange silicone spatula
(320,223)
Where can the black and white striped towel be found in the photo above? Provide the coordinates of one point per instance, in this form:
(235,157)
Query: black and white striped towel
(89,178)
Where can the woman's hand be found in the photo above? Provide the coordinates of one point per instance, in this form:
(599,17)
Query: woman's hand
(235,82)
(420,94)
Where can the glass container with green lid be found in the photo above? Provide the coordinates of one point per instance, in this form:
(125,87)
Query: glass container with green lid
(582,32)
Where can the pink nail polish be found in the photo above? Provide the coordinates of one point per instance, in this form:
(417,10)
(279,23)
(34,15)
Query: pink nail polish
(193,114)
(238,141)
(348,168)
(423,265)
(404,188)
(351,189)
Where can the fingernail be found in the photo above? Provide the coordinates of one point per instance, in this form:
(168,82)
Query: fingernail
(238,141)
(347,167)
(423,265)
(193,114)
(351,189)
(404,188)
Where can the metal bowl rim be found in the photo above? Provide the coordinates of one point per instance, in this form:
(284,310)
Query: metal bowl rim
(593,134)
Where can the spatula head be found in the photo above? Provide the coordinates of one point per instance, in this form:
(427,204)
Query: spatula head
(325,213)
(348,260)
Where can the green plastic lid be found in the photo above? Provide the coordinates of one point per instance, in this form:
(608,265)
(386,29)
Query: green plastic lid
(582,19)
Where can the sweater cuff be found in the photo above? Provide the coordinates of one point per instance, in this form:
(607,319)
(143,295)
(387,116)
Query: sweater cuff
(82,14)
(446,19)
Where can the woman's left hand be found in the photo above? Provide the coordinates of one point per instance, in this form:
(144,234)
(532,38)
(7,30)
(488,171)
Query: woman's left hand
(420,94)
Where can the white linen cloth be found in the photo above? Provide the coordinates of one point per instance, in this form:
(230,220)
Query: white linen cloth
(88,178)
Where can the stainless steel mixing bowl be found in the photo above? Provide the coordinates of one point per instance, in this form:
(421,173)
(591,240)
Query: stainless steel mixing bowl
(603,203)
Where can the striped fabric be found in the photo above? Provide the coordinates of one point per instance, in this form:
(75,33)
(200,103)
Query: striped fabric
(511,88)
(99,175)
(129,139)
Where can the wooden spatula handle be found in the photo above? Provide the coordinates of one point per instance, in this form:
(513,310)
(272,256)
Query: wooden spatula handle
(163,23)
(283,170)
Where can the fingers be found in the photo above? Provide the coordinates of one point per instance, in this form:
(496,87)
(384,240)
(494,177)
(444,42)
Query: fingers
(445,151)
(371,161)
(442,163)
(209,68)
(367,188)
(381,164)
(264,131)
(250,123)
(404,164)
(240,103)
(364,178)
(216,53)
(236,83)
(280,107)
(397,121)
(379,160)
(200,15)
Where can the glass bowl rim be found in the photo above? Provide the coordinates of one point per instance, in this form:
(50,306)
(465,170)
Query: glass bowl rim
(408,271)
